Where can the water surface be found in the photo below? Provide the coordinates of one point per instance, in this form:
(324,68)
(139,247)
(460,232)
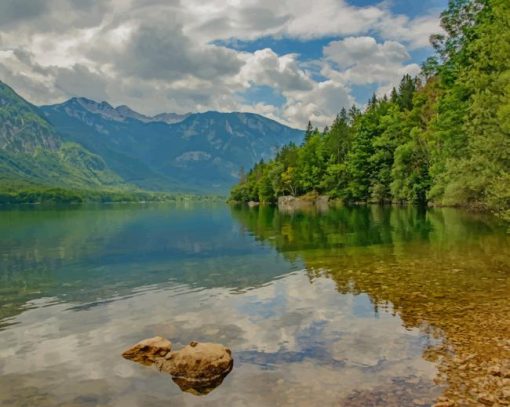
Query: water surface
(353,307)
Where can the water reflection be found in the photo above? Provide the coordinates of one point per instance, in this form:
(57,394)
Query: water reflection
(443,271)
(90,255)
(292,342)
(199,388)
(365,306)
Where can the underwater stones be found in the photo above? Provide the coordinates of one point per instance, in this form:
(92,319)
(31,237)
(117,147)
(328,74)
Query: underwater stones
(486,399)
(197,368)
(444,402)
(149,350)
(505,394)
(495,371)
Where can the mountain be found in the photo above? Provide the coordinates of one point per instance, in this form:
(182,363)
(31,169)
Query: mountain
(127,112)
(123,112)
(33,153)
(22,127)
(200,151)
(92,146)
(170,117)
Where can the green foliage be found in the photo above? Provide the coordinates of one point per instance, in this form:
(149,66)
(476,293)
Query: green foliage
(442,138)
(26,193)
(22,127)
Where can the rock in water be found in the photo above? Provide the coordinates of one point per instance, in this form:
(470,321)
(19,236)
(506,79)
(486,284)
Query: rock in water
(198,367)
(149,350)
(199,388)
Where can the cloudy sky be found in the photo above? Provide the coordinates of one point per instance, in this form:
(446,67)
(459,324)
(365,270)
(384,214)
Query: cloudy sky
(291,60)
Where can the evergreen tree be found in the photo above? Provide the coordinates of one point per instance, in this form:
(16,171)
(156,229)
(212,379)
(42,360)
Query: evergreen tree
(309,130)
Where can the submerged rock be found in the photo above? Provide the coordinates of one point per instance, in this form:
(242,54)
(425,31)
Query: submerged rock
(197,368)
(148,350)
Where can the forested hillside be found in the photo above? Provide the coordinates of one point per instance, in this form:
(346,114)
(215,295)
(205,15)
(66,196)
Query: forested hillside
(442,138)
(36,161)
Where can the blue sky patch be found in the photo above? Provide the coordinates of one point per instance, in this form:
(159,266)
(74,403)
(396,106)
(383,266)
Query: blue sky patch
(409,8)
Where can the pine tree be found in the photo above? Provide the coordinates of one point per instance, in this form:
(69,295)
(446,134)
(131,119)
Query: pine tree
(309,130)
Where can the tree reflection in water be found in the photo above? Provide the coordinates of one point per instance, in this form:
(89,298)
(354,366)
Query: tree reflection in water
(443,271)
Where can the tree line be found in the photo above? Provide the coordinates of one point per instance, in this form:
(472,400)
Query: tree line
(440,138)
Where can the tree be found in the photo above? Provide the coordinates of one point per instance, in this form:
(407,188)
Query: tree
(309,130)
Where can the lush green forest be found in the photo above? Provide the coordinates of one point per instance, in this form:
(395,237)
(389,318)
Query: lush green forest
(441,138)
(38,194)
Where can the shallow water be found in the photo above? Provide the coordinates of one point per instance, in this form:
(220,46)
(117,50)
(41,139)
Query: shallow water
(353,307)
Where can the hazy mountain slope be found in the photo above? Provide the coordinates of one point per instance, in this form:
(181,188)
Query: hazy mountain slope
(22,128)
(119,140)
(32,152)
(204,151)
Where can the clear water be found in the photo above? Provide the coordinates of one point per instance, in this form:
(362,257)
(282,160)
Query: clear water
(353,307)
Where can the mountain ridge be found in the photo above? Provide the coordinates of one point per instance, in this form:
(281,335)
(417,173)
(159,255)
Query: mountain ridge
(205,150)
(120,112)
(125,111)
(32,152)
(81,143)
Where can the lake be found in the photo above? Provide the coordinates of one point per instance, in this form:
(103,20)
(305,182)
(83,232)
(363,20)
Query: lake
(352,307)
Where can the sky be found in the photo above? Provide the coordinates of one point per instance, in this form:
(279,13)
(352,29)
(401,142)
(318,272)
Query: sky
(290,60)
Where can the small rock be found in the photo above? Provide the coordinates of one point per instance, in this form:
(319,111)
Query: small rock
(495,371)
(506,394)
(444,402)
(148,350)
(487,399)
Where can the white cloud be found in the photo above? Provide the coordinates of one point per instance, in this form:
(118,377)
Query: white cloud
(364,50)
(159,50)
(265,67)
(362,61)
(415,32)
(319,105)
(157,55)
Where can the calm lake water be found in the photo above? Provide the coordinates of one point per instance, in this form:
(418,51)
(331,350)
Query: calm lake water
(352,307)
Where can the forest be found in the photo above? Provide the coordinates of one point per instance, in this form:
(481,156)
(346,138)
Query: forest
(441,138)
(15,192)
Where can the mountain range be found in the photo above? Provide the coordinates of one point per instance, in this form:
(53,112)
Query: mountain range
(86,144)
